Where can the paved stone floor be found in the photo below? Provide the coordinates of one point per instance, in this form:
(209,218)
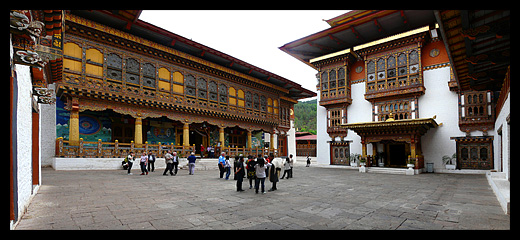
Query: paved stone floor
(316,198)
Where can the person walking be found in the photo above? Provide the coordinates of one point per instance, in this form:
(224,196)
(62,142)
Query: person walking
(143,163)
(191,163)
(239,173)
(227,166)
(308,161)
(221,164)
(286,168)
(168,158)
(151,161)
(130,159)
(251,173)
(175,163)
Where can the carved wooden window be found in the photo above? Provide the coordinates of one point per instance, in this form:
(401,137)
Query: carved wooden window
(114,66)
(475,153)
(241,98)
(164,79)
(334,83)
(149,75)
(222,89)
(190,86)
(275,106)
(263,103)
(232,96)
(73,56)
(132,71)
(269,105)
(213,91)
(249,100)
(202,88)
(401,109)
(256,102)
(336,117)
(94,65)
(178,83)
(393,70)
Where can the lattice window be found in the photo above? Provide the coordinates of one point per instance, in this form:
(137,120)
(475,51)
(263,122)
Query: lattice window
(132,71)
(114,66)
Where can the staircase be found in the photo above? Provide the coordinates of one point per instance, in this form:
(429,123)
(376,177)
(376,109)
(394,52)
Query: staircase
(386,170)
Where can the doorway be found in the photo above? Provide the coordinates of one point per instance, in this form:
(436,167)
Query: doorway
(397,154)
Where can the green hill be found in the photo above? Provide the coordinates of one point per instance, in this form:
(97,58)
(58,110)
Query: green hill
(305,116)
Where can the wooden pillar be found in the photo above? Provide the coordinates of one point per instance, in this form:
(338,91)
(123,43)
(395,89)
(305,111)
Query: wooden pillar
(186,134)
(271,145)
(74,127)
(138,135)
(364,148)
(249,139)
(221,138)
(74,122)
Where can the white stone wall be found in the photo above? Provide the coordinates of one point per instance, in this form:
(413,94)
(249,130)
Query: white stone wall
(359,111)
(502,140)
(322,147)
(440,101)
(291,140)
(24,136)
(47,132)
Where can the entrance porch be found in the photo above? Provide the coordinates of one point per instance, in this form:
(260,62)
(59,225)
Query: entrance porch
(394,142)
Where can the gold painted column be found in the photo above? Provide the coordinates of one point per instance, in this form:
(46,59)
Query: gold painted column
(74,127)
(249,139)
(221,136)
(186,134)
(138,135)
(271,145)
(363,148)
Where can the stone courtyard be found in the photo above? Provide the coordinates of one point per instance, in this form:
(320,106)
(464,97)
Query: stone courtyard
(316,198)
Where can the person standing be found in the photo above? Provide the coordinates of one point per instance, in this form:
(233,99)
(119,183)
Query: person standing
(291,162)
(274,172)
(227,166)
(286,168)
(151,161)
(221,164)
(308,161)
(260,168)
(168,158)
(239,173)
(175,163)
(130,158)
(191,163)
(251,173)
(143,163)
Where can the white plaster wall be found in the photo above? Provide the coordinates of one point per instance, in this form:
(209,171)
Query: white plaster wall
(359,111)
(322,147)
(440,101)
(291,140)
(24,136)
(47,132)
(504,151)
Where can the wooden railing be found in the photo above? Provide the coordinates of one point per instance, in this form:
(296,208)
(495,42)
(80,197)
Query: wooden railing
(115,149)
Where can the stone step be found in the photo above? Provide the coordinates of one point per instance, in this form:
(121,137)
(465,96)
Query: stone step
(386,170)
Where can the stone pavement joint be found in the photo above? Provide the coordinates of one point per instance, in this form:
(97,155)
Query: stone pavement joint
(316,198)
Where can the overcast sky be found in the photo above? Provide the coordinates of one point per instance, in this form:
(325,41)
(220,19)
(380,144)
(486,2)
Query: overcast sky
(252,36)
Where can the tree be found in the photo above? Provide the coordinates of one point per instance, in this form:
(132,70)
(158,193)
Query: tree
(305,116)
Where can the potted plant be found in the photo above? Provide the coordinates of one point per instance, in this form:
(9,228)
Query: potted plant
(411,162)
(449,162)
(353,159)
(362,161)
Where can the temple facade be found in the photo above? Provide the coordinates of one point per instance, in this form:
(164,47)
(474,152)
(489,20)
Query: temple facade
(395,89)
(134,86)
